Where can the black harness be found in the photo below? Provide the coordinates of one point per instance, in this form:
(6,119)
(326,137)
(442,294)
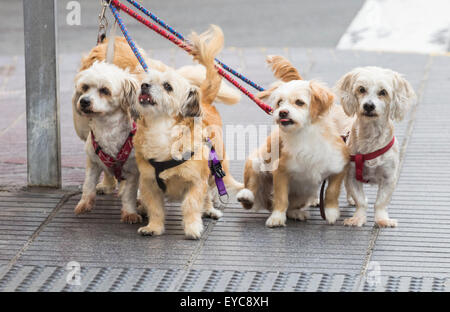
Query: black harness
(160,166)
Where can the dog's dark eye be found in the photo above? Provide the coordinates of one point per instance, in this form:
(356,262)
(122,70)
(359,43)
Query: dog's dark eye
(104,91)
(84,88)
(382,93)
(167,86)
(299,103)
(362,90)
(279,102)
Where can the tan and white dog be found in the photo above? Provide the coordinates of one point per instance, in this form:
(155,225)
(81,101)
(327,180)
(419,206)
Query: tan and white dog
(103,94)
(310,150)
(377,97)
(168,106)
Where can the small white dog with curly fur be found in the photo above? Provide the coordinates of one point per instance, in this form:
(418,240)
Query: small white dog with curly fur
(103,94)
(377,97)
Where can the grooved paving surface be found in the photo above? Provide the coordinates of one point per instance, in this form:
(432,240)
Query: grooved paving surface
(53,278)
(21,214)
(237,252)
(420,245)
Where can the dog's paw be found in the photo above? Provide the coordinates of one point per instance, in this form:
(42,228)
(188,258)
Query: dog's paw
(315,202)
(85,205)
(129,217)
(213,213)
(151,229)
(355,221)
(246,198)
(298,214)
(193,230)
(350,201)
(105,188)
(276,219)
(386,222)
(332,214)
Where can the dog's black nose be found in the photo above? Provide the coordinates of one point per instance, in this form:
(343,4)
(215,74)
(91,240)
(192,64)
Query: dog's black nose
(283,113)
(145,87)
(369,106)
(85,102)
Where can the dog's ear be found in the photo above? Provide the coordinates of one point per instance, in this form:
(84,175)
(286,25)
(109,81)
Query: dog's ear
(344,90)
(129,96)
(191,106)
(321,100)
(81,123)
(403,97)
(282,69)
(75,97)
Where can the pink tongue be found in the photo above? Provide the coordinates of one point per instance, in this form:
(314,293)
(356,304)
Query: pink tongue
(284,119)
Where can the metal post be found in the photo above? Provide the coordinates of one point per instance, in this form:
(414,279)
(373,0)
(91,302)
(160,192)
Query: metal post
(42,91)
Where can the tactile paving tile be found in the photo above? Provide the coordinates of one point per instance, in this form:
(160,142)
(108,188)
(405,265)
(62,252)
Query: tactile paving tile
(21,214)
(99,238)
(238,253)
(54,278)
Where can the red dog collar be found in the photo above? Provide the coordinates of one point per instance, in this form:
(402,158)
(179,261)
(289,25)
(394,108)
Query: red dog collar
(359,159)
(115,164)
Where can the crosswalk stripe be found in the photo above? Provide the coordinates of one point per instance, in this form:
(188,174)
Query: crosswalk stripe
(421,26)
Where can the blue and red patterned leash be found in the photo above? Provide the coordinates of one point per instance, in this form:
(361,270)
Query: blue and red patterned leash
(115,5)
(127,36)
(181,37)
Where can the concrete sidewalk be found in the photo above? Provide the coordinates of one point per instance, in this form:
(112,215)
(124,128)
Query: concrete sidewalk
(39,234)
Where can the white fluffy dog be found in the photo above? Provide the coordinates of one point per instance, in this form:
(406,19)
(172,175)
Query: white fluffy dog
(377,97)
(103,94)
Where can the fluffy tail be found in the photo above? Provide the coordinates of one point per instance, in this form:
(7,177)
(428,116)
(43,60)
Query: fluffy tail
(205,48)
(282,68)
(196,74)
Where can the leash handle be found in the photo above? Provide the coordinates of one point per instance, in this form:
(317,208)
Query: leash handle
(102,22)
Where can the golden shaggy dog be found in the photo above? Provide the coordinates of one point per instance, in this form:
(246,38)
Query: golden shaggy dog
(169,107)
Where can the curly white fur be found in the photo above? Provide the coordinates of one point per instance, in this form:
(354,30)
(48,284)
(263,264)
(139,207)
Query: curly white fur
(377,97)
(109,91)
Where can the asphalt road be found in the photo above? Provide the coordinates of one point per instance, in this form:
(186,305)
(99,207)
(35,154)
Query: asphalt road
(248,23)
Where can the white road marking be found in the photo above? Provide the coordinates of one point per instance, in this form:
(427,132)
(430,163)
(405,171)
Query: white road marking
(421,26)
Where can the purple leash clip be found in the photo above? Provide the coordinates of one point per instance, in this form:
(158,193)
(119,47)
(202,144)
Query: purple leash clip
(216,170)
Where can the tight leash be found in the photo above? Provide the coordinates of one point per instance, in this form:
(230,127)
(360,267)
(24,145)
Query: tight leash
(181,37)
(115,5)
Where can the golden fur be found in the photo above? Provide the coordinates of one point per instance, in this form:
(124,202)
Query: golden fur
(160,117)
